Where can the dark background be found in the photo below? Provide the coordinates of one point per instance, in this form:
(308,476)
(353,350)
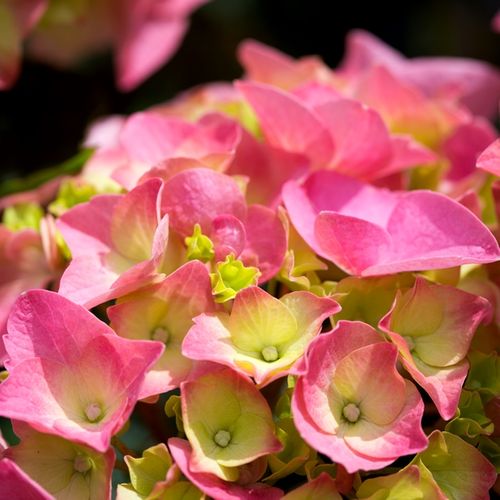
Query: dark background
(43,118)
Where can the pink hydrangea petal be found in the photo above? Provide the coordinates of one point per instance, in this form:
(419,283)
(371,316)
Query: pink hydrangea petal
(13,481)
(23,266)
(215,141)
(109,371)
(150,137)
(447,234)
(287,123)
(110,261)
(199,195)
(323,353)
(404,108)
(443,385)
(135,61)
(404,436)
(438,241)
(45,324)
(364,49)
(267,65)
(75,284)
(266,240)
(489,159)
(315,94)
(228,236)
(464,146)
(321,488)
(134,220)
(166,169)
(406,152)
(362,142)
(184,294)
(212,485)
(104,132)
(48,459)
(322,441)
(20,16)
(112,277)
(440,319)
(314,414)
(476,83)
(144,26)
(368,377)
(80,230)
(352,243)
(267,169)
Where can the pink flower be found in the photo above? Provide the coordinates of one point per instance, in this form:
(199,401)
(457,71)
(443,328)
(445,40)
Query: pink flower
(62,467)
(146,140)
(13,481)
(369,231)
(489,159)
(254,234)
(350,402)
(143,33)
(266,64)
(475,83)
(69,373)
(337,133)
(214,486)
(263,337)
(118,244)
(432,326)
(165,312)
(228,427)
(321,487)
(28,259)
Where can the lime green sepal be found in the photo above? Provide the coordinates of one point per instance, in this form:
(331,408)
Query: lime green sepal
(294,455)
(484,374)
(230,277)
(181,490)
(145,472)
(23,216)
(471,421)
(173,409)
(411,483)
(199,246)
(368,299)
(71,193)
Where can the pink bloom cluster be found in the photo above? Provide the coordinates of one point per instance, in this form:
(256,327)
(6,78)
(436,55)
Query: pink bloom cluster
(300,267)
(61,33)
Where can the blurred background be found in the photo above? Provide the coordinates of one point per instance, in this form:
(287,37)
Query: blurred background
(44,117)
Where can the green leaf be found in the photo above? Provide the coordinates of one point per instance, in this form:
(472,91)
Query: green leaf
(69,167)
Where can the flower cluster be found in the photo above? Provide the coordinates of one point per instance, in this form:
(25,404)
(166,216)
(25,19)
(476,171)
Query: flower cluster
(62,32)
(289,283)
